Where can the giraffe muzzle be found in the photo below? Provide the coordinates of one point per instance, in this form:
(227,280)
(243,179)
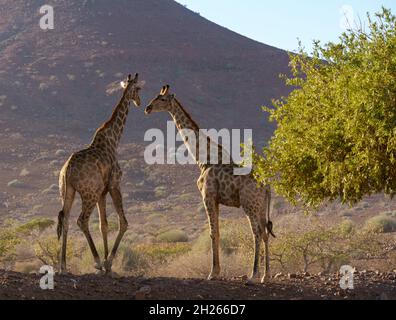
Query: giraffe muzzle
(148,110)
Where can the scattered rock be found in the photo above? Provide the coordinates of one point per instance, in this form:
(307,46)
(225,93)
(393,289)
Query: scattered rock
(16,184)
(16,136)
(60,153)
(51,190)
(24,172)
(54,163)
(292,276)
(142,293)
(36,209)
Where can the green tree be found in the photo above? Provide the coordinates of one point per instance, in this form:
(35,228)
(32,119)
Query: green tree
(336,134)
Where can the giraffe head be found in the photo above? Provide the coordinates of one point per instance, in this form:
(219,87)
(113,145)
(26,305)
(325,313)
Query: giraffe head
(162,102)
(131,88)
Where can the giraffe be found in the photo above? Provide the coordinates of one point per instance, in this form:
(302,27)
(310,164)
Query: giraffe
(219,186)
(93,173)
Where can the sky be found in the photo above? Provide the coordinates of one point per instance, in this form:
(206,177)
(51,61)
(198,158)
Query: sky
(281,23)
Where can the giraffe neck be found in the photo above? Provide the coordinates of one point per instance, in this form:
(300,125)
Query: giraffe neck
(183,122)
(109,134)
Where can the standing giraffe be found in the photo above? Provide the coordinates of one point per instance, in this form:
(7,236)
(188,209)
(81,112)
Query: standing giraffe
(94,172)
(218,185)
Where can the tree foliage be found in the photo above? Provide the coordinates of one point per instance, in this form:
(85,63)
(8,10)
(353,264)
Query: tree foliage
(336,135)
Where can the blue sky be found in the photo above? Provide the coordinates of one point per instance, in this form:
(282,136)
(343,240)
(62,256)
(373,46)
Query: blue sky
(280,22)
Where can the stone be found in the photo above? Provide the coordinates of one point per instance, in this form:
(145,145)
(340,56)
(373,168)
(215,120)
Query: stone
(60,153)
(16,184)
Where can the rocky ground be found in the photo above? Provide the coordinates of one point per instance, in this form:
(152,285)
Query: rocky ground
(368,285)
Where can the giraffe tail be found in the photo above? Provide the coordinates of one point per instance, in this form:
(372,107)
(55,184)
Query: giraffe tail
(269,229)
(269,225)
(59,228)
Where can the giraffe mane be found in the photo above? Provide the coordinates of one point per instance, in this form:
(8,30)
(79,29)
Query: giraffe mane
(106,124)
(187,114)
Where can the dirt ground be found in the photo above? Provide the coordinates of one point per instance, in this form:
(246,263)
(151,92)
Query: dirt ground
(368,285)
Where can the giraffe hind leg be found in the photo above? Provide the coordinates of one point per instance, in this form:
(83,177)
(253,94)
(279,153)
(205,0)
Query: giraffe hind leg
(115,194)
(103,224)
(83,222)
(63,225)
(267,274)
(257,232)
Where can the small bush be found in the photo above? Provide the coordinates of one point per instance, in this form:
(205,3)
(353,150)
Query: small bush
(161,192)
(346,227)
(156,217)
(234,235)
(201,209)
(172,236)
(132,261)
(391,214)
(381,224)
(8,242)
(47,250)
(38,224)
(161,252)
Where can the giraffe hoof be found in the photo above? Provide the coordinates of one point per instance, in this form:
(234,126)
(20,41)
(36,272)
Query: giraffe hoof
(107,266)
(63,272)
(213,277)
(98,267)
(113,275)
(99,272)
(252,281)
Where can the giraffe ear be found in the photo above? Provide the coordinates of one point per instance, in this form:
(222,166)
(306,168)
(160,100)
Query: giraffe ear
(123,84)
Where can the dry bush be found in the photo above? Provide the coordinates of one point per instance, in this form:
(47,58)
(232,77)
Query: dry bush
(197,264)
(172,236)
(383,223)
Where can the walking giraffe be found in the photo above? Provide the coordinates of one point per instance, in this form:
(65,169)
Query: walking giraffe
(94,172)
(218,185)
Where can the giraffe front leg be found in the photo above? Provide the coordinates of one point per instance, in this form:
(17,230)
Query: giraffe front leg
(123,226)
(212,210)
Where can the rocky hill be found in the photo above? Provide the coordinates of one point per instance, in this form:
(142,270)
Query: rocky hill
(54,81)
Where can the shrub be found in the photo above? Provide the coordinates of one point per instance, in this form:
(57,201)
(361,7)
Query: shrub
(8,242)
(131,261)
(201,209)
(161,192)
(172,236)
(346,227)
(161,252)
(47,250)
(235,235)
(381,224)
(35,225)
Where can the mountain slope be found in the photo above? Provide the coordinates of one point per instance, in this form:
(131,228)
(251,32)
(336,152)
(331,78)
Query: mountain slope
(54,81)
